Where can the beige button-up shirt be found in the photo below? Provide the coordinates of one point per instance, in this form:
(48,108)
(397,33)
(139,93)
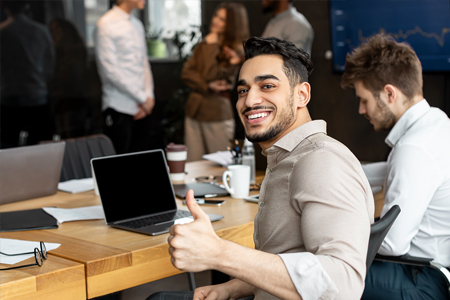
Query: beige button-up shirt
(315,211)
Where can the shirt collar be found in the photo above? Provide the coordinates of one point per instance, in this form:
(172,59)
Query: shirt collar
(296,136)
(411,115)
(121,12)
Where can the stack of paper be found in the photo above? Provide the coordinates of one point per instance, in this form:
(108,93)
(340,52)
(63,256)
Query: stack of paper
(223,158)
(76,214)
(76,185)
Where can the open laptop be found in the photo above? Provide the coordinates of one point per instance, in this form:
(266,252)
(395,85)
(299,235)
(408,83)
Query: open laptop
(136,192)
(31,171)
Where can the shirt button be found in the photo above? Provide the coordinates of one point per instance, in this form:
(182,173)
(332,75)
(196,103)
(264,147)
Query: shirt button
(256,237)
(261,204)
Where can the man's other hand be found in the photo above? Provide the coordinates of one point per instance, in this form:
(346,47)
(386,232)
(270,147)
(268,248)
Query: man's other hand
(145,109)
(194,247)
(213,292)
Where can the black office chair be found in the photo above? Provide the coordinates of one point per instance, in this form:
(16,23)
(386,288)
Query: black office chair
(78,154)
(378,232)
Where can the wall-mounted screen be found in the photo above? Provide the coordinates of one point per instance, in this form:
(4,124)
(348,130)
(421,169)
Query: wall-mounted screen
(423,24)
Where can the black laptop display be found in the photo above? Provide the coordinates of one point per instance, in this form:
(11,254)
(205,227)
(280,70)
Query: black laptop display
(136,192)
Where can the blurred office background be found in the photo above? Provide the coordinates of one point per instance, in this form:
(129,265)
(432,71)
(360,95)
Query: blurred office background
(178,25)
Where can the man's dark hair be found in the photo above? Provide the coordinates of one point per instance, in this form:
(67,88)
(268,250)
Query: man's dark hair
(297,63)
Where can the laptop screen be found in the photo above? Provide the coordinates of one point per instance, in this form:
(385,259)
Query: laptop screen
(134,185)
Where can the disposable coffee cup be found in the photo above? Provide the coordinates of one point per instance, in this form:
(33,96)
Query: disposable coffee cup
(176,159)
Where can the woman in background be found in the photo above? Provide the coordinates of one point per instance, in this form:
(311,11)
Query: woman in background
(211,73)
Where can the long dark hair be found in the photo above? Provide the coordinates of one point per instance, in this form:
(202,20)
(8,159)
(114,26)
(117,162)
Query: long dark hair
(236,25)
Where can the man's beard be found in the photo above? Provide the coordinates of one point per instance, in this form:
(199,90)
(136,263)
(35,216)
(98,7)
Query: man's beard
(385,118)
(286,118)
(273,6)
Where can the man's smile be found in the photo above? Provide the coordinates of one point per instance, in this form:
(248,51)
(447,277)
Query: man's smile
(257,116)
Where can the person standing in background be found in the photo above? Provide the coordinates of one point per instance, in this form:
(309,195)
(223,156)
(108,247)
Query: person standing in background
(211,73)
(288,24)
(69,88)
(127,81)
(26,65)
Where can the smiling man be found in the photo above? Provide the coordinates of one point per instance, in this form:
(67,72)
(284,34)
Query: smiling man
(312,229)
(387,77)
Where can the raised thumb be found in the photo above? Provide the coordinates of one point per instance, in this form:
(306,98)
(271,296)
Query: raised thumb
(193,206)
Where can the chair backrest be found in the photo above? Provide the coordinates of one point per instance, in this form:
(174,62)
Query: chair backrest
(78,154)
(378,232)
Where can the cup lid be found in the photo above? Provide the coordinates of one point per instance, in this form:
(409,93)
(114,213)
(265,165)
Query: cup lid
(175,147)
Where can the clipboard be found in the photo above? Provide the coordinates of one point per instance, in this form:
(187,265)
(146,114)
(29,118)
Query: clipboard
(26,220)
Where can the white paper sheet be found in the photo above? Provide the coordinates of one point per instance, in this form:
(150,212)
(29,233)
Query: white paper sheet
(184,220)
(76,185)
(76,214)
(11,246)
(223,158)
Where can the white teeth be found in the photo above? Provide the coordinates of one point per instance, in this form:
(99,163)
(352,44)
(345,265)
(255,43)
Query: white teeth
(257,116)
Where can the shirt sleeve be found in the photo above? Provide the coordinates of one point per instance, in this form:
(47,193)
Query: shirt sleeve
(375,172)
(298,34)
(148,78)
(107,58)
(331,195)
(191,75)
(412,179)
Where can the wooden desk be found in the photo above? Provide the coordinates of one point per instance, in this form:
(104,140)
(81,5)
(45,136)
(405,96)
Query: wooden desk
(58,278)
(115,259)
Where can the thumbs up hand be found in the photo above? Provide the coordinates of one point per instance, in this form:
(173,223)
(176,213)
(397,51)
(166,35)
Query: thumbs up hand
(194,247)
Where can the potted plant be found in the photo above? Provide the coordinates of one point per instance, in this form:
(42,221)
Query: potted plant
(155,45)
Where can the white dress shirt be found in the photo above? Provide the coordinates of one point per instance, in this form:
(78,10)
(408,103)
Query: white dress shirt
(417,178)
(123,66)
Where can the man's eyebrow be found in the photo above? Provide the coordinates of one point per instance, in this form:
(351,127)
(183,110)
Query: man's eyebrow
(258,79)
(264,77)
(241,82)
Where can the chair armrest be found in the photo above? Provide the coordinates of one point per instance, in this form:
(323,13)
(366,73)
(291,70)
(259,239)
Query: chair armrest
(406,259)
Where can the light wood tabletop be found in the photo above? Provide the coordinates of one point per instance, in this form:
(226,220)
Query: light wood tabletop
(116,259)
(58,278)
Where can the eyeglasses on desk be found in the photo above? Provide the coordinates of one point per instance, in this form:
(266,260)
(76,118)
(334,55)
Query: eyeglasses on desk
(39,255)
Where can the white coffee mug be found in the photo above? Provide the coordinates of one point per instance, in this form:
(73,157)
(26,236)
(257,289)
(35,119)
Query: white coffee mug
(239,180)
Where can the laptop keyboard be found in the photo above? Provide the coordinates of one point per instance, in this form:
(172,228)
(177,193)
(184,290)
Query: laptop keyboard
(156,219)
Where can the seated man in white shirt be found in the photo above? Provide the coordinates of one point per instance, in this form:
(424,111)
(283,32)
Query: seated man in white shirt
(127,81)
(387,77)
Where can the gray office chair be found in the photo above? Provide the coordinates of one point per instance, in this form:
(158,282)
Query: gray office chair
(78,154)
(378,232)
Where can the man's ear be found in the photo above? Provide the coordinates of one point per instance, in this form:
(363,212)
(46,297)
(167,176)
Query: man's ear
(391,93)
(302,94)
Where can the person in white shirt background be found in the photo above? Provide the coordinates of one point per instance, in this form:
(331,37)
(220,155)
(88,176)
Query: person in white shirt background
(387,77)
(288,24)
(127,81)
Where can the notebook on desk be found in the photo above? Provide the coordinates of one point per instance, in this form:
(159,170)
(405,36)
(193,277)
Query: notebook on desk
(30,172)
(136,192)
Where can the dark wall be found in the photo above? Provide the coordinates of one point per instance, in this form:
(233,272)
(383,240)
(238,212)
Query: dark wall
(329,101)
